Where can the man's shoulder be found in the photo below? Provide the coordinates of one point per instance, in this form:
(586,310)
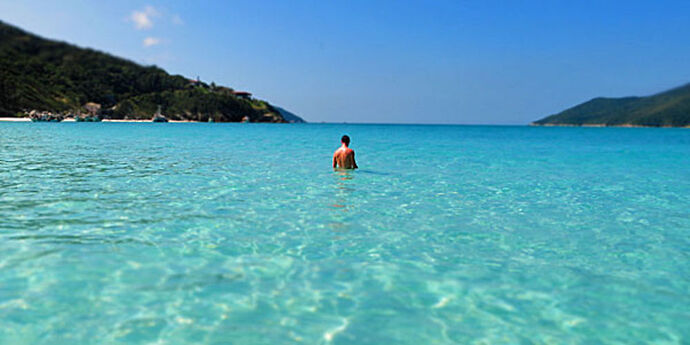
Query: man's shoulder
(343,151)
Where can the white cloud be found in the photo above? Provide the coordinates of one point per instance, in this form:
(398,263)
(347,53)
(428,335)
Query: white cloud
(144,19)
(151,41)
(177,20)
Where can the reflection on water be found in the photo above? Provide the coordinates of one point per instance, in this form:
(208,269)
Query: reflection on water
(345,174)
(344,180)
(343,185)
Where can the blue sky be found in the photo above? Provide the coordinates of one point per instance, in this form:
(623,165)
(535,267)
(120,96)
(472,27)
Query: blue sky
(467,62)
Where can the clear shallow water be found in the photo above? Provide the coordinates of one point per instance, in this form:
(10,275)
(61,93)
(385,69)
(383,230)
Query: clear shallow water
(242,234)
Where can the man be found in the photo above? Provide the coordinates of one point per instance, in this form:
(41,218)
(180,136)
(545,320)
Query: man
(344,157)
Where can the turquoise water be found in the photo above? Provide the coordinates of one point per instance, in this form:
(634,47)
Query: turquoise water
(243,234)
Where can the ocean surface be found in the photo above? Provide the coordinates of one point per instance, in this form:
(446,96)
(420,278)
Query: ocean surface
(117,233)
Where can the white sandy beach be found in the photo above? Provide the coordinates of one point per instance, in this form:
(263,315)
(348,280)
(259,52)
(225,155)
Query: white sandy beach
(26,119)
(15,119)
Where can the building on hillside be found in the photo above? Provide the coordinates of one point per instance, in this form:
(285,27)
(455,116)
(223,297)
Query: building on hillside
(242,94)
(196,82)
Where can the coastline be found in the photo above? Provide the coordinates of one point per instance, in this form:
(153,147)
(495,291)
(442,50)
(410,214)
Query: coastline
(15,119)
(597,125)
(27,119)
(532,124)
(147,121)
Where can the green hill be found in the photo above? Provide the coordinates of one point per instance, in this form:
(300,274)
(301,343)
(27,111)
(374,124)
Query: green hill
(667,109)
(45,75)
(288,116)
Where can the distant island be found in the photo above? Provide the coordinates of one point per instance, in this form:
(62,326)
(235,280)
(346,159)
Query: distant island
(41,75)
(666,109)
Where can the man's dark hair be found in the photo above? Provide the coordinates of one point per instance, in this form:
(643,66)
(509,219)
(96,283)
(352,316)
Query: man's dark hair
(345,139)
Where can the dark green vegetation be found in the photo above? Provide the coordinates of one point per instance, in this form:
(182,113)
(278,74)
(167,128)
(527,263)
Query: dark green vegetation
(45,75)
(288,116)
(668,109)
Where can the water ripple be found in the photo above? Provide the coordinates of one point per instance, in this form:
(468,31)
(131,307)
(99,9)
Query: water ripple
(217,233)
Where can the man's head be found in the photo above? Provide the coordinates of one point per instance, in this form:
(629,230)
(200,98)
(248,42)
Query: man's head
(345,140)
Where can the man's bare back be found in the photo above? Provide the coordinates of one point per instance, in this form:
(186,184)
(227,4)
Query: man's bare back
(344,157)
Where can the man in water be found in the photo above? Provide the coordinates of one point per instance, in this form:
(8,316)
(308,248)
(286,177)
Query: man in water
(344,157)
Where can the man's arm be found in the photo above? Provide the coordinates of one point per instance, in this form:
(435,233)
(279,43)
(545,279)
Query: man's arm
(335,164)
(353,160)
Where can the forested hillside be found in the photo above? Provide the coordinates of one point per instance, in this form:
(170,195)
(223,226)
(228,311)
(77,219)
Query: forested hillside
(670,108)
(45,75)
